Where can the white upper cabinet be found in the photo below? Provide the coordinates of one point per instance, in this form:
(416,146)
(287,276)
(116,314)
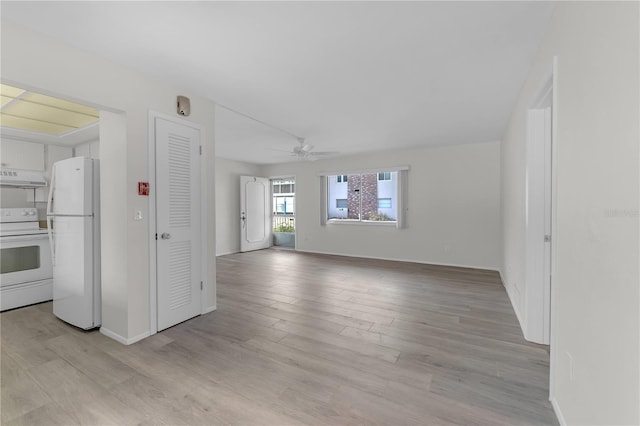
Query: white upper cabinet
(54,154)
(15,154)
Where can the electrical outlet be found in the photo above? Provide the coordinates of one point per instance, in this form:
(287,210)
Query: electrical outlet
(570,365)
(137,215)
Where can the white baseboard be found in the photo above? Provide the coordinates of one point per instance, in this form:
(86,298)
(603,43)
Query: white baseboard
(556,409)
(512,298)
(421,262)
(210,309)
(124,340)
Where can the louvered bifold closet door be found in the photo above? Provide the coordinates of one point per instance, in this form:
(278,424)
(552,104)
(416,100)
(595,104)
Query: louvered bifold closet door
(178,222)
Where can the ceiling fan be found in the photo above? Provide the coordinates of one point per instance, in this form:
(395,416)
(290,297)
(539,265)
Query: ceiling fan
(305,151)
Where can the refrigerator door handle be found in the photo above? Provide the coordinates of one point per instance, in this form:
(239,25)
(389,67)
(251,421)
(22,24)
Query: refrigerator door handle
(50,232)
(50,197)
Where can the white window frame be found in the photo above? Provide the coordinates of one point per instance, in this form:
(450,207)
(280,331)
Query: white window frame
(401,197)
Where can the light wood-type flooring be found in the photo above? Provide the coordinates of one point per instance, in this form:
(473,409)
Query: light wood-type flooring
(297,339)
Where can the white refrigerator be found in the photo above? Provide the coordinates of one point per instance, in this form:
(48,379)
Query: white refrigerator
(73,216)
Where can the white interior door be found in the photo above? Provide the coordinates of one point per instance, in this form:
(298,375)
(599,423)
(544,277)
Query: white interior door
(538,227)
(255,213)
(178,232)
(546,316)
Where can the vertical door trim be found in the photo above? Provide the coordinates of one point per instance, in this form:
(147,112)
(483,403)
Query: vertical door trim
(153,279)
(554,227)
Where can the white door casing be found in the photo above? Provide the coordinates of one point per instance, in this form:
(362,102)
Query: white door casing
(255,213)
(178,222)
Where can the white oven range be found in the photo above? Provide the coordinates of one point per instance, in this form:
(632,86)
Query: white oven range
(26,271)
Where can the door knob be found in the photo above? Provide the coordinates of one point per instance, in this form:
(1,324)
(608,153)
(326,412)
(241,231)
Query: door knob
(165,236)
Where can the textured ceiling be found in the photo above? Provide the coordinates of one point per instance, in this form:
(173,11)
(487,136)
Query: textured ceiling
(348,76)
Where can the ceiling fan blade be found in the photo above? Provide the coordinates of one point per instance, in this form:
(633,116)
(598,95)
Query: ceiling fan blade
(324,152)
(279,150)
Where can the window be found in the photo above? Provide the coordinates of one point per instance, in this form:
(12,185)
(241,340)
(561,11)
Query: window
(284,188)
(384,203)
(284,205)
(367,197)
(283,197)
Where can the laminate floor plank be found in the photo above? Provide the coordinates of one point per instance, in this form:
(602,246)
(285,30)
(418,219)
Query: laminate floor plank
(424,332)
(313,313)
(279,314)
(345,309)
(297,338)
(50,415)
(418,378)
(360,347)
(96,364)
(22,396)
(341,373)
(84,400)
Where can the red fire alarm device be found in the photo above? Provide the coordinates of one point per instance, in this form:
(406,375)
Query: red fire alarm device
(143,188)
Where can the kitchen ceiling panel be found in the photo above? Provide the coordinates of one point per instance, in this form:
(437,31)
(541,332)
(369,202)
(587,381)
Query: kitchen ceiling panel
(10,91)
(33,125)
(35,111)
(61,104)
(5,100)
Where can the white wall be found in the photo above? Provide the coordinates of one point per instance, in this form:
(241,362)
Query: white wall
(36,62)
(228,174)
(453,201)
(89,149)
(15,197)
(595,286)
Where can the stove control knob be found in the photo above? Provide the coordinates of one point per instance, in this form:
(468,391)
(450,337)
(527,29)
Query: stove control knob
(23,213)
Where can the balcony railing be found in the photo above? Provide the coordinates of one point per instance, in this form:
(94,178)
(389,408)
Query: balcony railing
(284,223)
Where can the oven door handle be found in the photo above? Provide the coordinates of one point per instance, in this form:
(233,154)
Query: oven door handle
(19,238)
(51,245)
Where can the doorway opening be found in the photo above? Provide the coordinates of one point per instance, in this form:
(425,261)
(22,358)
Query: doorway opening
(283,192)
(539,214)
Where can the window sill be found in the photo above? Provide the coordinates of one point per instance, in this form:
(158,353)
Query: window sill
(361,223)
